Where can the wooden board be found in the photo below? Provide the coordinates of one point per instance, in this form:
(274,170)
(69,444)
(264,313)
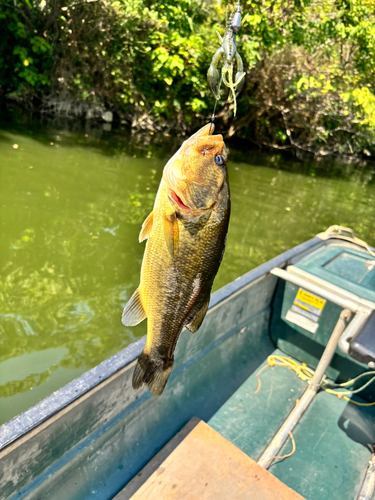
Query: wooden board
(142,476)
(205,466)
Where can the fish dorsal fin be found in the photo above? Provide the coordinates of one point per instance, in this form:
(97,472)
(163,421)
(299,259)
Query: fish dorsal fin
(194,325)
(133,311)
(171,232)
(146,227)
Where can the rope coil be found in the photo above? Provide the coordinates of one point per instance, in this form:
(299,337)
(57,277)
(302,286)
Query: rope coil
(306,374)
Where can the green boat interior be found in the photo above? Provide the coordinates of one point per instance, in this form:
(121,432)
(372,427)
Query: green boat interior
(279,378)
(328,449)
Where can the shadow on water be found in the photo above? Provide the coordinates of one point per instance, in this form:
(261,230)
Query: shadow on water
(117,140)
(107,139)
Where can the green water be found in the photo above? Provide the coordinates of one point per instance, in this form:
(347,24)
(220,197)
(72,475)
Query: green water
(71,208)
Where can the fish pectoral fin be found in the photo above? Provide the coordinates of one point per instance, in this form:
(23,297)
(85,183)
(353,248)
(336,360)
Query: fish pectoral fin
(171,233)
(146,227)
(133,311)
(194,325)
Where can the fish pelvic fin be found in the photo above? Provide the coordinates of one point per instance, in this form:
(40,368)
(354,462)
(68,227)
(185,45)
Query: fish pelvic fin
(146,227)
(133,311)
(171,233)
(195,324)
(153,372)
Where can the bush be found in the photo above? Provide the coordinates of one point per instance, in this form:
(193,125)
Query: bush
(140,57)
(311,82)
(310,66)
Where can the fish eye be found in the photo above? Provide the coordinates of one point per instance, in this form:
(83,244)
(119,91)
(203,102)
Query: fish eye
(219,160)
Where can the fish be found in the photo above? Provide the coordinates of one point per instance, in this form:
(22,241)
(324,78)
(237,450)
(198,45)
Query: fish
(186,235)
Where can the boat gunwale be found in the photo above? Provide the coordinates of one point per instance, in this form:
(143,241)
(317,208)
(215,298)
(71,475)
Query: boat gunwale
(38,414)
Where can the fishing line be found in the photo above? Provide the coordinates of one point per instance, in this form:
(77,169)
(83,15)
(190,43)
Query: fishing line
(213,116)
(232,26)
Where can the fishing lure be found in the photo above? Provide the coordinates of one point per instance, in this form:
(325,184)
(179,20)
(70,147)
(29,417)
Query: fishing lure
(228,49)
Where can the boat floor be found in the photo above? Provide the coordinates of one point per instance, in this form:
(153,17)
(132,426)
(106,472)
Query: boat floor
(331,439)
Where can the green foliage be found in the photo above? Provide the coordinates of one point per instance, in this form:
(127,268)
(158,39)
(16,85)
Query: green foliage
(140,57)
(25,54)
(315,78)
(310,64)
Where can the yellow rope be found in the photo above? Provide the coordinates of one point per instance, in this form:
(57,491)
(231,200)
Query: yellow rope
(288,454)
(305,373)
(257,376)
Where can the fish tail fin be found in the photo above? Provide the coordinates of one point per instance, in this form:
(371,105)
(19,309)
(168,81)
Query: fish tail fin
(153,372)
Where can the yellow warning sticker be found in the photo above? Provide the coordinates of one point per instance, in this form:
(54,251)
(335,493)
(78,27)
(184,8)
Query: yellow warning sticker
(310,299)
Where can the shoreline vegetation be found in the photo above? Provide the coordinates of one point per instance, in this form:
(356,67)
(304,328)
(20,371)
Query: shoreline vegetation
(310,68)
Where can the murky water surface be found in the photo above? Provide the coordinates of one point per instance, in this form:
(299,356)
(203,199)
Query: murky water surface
(71,207)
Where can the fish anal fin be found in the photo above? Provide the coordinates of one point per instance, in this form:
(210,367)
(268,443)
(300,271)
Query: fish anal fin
(133,311)
(146,227)
(194,325)
(171,232)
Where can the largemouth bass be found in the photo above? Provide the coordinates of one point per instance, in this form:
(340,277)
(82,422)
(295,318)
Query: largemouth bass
(186,234)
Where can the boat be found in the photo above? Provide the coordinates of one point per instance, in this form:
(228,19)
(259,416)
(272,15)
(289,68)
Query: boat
(272,398)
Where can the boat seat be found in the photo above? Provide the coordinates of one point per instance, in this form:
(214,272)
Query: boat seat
(206,466)
(308,347)
(362,348)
